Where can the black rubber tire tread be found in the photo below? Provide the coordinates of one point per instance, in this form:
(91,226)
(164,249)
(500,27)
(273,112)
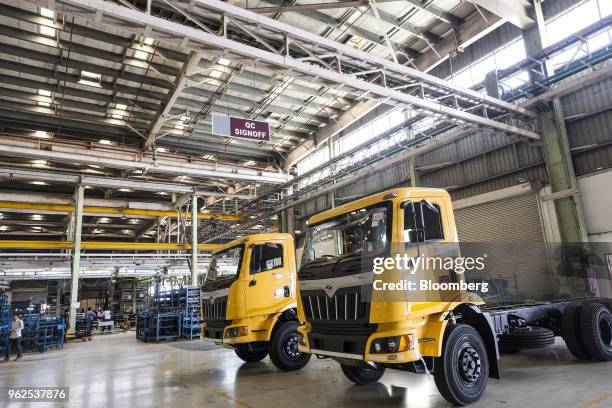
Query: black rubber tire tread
(571,332)
(362,375)
(590,318)
(277,343)
(445,376)
(606,302)
(251,356)
(534,337)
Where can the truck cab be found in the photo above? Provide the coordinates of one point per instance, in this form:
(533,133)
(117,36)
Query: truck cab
(356,315)
(249,300)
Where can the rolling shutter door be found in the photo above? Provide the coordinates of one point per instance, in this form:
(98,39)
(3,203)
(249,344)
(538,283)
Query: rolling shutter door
(509,231)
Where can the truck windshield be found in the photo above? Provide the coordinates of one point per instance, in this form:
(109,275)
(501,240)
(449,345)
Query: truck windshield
(361,231)
(225,264)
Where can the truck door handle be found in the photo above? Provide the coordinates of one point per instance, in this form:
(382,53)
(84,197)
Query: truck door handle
(253,282)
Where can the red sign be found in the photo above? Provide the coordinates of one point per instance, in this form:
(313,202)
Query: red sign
(249,129)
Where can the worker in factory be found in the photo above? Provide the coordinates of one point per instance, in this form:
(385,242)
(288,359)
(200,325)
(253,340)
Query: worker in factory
(15,338)
(90,314)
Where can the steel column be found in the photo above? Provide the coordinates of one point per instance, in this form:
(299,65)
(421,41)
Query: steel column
(194,240)
(76,254)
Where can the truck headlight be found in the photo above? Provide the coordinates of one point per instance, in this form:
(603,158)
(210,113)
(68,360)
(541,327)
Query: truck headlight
(237,331)
(395,344)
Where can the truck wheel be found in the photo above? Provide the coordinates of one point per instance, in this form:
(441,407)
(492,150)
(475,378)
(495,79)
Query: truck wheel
(283,348)
(570,331)
(528,337)
(461,372)
(596,329)
(362,374)
(251,356)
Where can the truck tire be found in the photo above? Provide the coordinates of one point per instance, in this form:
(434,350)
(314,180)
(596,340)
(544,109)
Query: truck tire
(283,348)
(251,356)
(462,371)
(596,330)
(362,374)
(570,331)
(528,337)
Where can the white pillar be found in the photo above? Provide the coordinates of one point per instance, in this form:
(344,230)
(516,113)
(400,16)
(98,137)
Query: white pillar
(76,254)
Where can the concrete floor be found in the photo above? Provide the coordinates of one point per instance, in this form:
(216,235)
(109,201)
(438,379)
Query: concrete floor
(118,371)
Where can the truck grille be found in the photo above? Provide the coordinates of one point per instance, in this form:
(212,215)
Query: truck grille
(216,310)
(345,305)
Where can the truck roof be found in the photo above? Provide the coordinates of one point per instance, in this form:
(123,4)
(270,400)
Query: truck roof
(399,194)
(256,237)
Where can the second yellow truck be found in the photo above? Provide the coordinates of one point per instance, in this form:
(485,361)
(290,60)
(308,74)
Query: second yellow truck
(249,300)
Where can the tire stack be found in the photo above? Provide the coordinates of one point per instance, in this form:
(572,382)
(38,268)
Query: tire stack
(586,328)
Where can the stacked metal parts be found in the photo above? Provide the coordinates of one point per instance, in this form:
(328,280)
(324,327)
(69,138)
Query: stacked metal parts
(41,331)
(172,314)
(5,323)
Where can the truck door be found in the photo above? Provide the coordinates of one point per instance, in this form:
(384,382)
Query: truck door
(268,283)
(428,235)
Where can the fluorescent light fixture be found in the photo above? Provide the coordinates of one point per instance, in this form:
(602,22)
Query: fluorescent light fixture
(91,75)
(42,135)
(39,162)
(117,116)
(179,127)
(185,118)
(148,41)
(208,157)
(38,183)
(162,193)
(48,31)
(161,150)
(98,231)
(104,220)
(224,61)
(141,55)
(125,190)
(121,106)
(90,78)
(45,104)
(133,221)
(248,163)
(36,217)
(105,142)
(45,12)
(44,92)
(216,74)
(126,231)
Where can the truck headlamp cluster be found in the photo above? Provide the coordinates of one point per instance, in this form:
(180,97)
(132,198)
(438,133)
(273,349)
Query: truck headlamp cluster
(237,331)
(395,344)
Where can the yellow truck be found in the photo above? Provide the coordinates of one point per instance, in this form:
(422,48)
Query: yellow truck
(248,301)
(368,299)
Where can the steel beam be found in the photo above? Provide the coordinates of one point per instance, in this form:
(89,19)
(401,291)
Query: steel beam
(120,159)
(314,6)
(76,254)
(196,38)
(127,246)
(111,211)
(515,11)
(188,67)
(12,173)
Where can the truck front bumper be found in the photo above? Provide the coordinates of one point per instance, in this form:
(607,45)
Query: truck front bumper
(256,329)
(346,346)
